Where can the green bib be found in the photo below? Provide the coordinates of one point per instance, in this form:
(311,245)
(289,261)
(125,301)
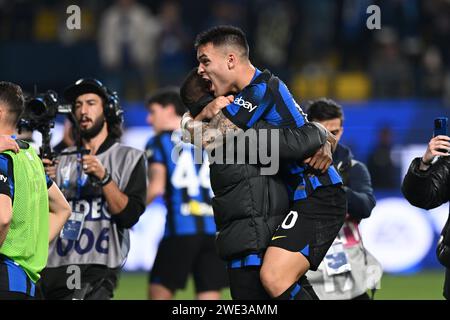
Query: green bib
(27,240)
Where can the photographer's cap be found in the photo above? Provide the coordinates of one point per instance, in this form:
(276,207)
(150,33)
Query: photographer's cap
(83,86)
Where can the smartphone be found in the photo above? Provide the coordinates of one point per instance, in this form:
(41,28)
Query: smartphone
(441,126)
(441,129)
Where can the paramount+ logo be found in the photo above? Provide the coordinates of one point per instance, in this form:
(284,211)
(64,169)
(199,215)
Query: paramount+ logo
(245,104)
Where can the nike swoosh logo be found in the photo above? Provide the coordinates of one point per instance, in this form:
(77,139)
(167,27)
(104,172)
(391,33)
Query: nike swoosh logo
(278,237)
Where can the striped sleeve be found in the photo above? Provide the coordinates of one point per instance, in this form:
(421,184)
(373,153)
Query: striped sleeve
(6,176)
(154,150)
(248,106)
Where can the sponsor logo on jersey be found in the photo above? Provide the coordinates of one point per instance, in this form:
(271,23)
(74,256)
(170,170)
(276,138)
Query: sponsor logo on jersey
(245,104)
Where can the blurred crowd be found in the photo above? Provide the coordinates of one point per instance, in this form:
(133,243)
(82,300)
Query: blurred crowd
(320,48)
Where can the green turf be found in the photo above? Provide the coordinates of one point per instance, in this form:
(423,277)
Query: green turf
(133,286)
(425,285)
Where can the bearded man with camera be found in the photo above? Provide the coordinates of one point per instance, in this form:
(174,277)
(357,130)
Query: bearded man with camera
(105,183)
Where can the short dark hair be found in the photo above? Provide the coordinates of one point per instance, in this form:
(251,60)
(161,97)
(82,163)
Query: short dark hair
(223,35)
(115,129)
(324,109)
(168,96)
(195,92)
(11,95)
(193,88)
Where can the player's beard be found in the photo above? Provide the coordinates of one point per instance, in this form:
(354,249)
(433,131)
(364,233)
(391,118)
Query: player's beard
(97,126)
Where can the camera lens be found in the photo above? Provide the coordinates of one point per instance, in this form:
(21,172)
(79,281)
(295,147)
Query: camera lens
(37,107)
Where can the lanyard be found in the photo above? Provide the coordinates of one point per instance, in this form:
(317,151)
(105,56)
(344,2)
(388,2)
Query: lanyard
(79,174)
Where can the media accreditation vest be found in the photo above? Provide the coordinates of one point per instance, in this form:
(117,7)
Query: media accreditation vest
(101,241)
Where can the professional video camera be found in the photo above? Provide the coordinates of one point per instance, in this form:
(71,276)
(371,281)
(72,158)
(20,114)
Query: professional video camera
(40,113)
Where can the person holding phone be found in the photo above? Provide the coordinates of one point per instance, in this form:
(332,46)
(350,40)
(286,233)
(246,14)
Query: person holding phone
(427,186)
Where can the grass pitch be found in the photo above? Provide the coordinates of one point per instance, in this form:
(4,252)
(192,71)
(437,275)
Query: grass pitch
(426,285)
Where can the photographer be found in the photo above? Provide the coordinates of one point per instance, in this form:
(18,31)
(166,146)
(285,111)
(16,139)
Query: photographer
(427,186)
(105,182)
(32,208)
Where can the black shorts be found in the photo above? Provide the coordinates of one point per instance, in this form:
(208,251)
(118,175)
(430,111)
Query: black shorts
(180,256)
(97,283)
(312,224)
(14,282)
(245,284)
(11,295)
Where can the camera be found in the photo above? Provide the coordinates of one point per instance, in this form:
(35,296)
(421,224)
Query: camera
(40,114)
(41,111)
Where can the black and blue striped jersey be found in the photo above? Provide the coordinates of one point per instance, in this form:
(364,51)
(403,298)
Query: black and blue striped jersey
(14,279)
(12,276)
(188,189)
(7,177)
(269,99)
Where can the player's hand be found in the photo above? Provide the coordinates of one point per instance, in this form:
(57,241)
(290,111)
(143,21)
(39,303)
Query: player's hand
(331,138)
(185,119)
(8,143)
(322,159)
(435,147)
(50,167)
(92,166)
(214,107)
(187,127)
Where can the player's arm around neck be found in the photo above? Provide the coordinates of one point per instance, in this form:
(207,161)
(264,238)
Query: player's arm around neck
(5,216)
(208,135)
(59,209)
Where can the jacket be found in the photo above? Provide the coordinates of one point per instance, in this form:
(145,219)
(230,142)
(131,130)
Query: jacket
(427,190)
(357,184)
(248,206)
